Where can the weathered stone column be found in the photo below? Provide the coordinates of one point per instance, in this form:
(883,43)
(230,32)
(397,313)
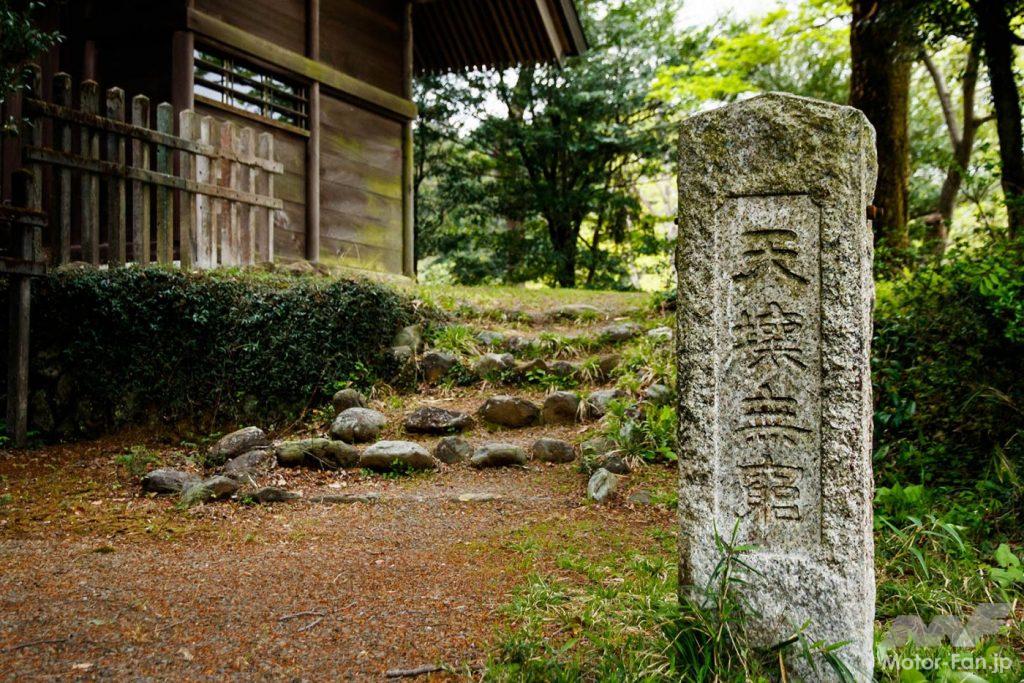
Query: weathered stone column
(775,293)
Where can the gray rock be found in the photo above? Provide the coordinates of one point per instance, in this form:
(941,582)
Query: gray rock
(598,401)
(411,336)
(576,312)
(490,338)
(509,411)
(325,454)
(347,398)
(613,462)
(491,364)
(562,368)
(452,450)
(218,487)
(660,334)
(518,343)
(476,497)
(498,455)
(272,494)
(619,332)
(597,446)
(606,365)
(236,443)
(776,430)
(561,407)
(403,356)
(346,498)
(552,450)
(390,455)
(535,365)
(436,364)
(358,425)
(640,498)
(658,394)
(251,464)
(167,481)
(433,420)
(602,484)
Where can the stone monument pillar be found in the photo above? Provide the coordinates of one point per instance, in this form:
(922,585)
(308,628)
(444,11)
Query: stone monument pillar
(774,329)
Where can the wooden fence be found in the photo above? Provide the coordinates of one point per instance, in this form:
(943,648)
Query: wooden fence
(119,191)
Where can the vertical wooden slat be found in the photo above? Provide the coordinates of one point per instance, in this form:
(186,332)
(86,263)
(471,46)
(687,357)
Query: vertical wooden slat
(62,135)
(312,250)
(408,208)
(246,212)
(164,217)
(90,194)
(265,187)
(188,129)
(141,192)
(117,247)
(228,177)
(19,309)
(206,233)
(35,90)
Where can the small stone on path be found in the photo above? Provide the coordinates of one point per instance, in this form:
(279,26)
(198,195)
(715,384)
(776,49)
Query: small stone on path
(255,462)
(658,394)
(660,334)
(618,332)
(236,443)
(490,338)
(498,455)
(452,450)
(552,450)
(561,407)
(325,454)
(358,425)
(509,411)
(217,487)
(491,364)
(272,494)
(345,498)
(347,398)
(433,420)
(599,401)
(391,455)
(601,485)
(436,364)
(167,481)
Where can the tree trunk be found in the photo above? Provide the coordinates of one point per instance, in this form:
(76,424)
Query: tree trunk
(997,39)
(961,137)
(563,240)
(880,87)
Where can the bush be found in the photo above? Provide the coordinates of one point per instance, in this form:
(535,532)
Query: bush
(948,363)
(121,345)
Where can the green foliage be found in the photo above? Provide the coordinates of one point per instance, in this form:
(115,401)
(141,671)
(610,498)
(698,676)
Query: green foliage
(458,339)
(120,345)
(804,50)
(647,435)
(21,41)
(536,188)
(619,618)
(137,460)
(948,358)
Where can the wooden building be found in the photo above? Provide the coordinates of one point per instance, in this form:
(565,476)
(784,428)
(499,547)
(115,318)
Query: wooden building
(331,79)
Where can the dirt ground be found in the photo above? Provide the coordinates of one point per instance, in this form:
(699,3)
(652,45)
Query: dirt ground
(100,581)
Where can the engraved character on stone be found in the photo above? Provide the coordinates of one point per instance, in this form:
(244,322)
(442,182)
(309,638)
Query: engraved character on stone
(770,250)
(770,418)
(771,335)
(772,490)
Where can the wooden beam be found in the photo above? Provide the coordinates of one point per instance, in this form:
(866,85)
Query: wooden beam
(183,46)
(347,86)
(313,142)
(408,209)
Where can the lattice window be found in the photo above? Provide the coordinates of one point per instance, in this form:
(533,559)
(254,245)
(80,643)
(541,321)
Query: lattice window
(225,79)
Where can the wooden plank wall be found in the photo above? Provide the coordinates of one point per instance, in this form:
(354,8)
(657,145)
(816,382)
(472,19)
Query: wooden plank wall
(290,150)
(282,22)
(363,38)
(360,188)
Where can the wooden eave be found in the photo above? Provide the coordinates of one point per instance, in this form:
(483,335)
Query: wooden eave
(457,35)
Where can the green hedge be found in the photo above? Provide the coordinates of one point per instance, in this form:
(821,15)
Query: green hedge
(948,371)
(154,344)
